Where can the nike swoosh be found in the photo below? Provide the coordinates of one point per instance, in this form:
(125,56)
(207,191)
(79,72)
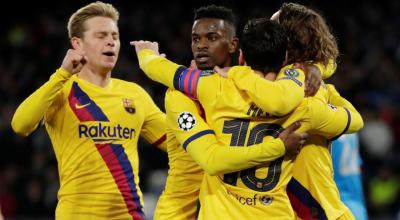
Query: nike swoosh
(81,106)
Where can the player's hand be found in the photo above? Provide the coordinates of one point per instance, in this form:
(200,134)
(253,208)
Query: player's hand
(293,141)
(313,77)
(74,60)
(142,45)
(193,64)
(222,71)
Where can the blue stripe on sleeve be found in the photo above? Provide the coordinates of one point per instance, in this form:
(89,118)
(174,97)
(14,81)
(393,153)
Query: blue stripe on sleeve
(195,136)
(177,76)
(347,125)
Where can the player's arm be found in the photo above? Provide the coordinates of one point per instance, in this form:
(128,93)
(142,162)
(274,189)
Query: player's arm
(277,98)
(337,100)
(154,126)
(331,120)
(172,75)
(157,67)
(29,113)
(197,138)
(326,70)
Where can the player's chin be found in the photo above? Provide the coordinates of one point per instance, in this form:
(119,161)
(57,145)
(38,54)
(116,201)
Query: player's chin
(205,66)
(109,64)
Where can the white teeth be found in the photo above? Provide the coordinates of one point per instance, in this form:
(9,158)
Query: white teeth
(203,59)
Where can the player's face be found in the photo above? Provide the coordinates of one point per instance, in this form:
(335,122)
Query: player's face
(211,44)
(101,43)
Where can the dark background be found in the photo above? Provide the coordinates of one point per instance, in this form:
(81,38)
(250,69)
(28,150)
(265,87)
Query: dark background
(34,41)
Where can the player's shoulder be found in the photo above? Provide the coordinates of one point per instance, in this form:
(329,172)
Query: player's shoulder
(126,85)
(175,99)
(67,86)
(290,71)
(174,94)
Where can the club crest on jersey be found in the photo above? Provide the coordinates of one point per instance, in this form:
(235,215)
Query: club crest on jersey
(291,73)
(186,121)
(128,105)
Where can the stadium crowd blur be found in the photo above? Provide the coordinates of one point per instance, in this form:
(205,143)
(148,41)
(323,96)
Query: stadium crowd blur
(34,41)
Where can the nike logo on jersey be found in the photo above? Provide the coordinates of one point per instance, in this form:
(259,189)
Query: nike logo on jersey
(81,106)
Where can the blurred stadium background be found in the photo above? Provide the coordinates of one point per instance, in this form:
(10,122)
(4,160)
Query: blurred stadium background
(34,41)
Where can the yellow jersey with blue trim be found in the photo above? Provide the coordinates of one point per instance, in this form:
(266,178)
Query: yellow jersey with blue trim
(180,198)
(94,132)
(191,141)
(313,194)
(238,122)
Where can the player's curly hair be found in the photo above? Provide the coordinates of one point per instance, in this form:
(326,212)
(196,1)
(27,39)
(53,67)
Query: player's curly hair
(264,45)
(218,12)
(309,36)
(76,21)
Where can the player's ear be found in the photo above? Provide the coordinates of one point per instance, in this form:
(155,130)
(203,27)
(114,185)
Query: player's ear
(76,43)
(242,62)
(233,45)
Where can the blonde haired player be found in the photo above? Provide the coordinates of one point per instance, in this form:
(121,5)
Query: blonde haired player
(94,122)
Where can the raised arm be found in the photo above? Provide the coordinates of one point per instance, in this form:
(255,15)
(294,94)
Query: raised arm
(29,113)
(190,81)
(327,70)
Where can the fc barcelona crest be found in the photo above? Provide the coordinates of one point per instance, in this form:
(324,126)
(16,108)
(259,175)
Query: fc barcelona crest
(128,105)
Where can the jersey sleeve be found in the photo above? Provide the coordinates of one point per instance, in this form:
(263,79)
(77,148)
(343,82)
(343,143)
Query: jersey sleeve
(327,70)
(154,126)
(29,113)
(332,121)
(277,98)
(334,98)
(197,138)
(191,81)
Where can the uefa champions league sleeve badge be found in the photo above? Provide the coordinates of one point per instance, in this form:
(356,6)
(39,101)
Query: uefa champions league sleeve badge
(186,121)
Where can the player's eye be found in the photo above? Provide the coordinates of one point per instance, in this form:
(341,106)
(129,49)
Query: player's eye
(100,36)
(212,37)
(195,39)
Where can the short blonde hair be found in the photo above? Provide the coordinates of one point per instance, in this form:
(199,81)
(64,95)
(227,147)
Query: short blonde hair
(95,9)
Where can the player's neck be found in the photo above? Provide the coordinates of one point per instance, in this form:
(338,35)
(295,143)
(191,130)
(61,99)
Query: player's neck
(97,78)
(268,76)
(259,73)
(271,76)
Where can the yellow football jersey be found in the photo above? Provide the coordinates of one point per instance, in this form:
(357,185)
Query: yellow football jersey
(186,130)
(238,122)
(313,193)
(180,197)
(94,132)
